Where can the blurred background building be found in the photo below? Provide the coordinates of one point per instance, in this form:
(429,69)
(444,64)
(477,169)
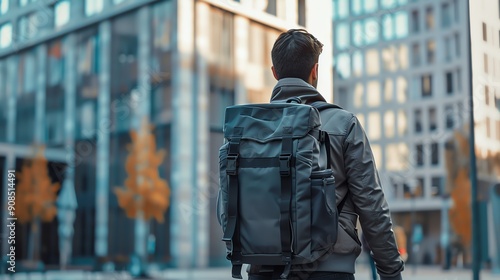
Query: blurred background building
(403,67)
(78,75)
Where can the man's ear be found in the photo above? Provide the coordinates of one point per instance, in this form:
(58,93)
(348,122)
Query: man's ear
(274,73)
(314,72)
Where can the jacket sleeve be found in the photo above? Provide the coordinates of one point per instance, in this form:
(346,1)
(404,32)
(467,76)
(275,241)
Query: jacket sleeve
(369,201)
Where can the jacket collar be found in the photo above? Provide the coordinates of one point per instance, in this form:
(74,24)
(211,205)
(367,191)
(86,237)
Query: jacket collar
(293,87)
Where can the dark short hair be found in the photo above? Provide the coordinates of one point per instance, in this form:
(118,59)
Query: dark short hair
(294,54)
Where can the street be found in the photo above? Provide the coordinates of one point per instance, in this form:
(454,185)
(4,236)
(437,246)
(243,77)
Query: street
(362,273)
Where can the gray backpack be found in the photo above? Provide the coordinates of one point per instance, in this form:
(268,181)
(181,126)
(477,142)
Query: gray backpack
(276,203)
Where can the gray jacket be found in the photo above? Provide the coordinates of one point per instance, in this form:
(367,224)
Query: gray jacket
(355,176)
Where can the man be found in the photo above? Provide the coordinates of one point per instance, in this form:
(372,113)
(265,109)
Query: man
(295,65)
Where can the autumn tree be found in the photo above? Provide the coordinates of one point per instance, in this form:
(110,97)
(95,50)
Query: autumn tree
(35,196)
(145,194)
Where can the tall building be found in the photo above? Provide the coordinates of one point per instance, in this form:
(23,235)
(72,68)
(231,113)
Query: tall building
(78,75)
(403,68)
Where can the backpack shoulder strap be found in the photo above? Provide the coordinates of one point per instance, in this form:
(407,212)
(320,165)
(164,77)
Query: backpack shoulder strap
(321,105)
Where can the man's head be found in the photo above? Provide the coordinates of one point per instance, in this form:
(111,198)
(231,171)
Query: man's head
(295,55)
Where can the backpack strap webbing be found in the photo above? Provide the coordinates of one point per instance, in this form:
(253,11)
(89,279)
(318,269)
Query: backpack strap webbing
(286,196)
(232,232)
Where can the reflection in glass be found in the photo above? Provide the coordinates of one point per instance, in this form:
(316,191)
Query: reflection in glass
(403,57)
(161,62)
(87,82)
(26,89)
(357,6)
(415,54)
(415,21)
(54,101)
(432,119)
(370,5)
(417,115)
(357,33)
(388,3)
(340,9)
(445,15)
(389,58)
(435,153)
(124,77)
(377,154)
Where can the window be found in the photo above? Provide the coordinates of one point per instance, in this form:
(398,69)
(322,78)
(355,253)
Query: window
(498,129)
(448,109)
(388,26)
(447,49)
(342,36)
(271,7)
(301,12)
(340,9)
(371,29)
(357,33)
(431,51)
(28,26)
(402,123)
(388,58)
(497,102)
(5,35)
(401,24)
(343,66)
(449,82)
(426,85)
(4,6)
(373,92)
(429,18)
(419,149)
(388,90)
(389,124)
(402,89)
(485,32)
(372,62)
(432,119)
(415,21)
(488,127)
(485,61)
(487,95)
(418,120)
(62,13)
(124,68)
(116,2)
(87,82)
(374,123)
(370,5)
(93,7)
(357,63)
(54,101)
(357,6)
(445,15)
(415,54)
(434,153)
(22,3)
(358,95)
(436,186)
(457,44)
(25,101)
(388,3)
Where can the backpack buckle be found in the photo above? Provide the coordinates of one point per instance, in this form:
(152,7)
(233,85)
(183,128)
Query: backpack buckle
(285,160)
(232,164)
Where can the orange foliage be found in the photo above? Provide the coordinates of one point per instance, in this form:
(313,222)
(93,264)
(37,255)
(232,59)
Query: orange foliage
(35,191)
(460,214)
(144,190)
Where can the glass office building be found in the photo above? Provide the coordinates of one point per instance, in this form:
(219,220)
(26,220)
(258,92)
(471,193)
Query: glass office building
(403,67)
(78,75)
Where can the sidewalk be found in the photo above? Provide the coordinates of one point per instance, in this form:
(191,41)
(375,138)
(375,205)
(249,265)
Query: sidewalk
(362,273)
